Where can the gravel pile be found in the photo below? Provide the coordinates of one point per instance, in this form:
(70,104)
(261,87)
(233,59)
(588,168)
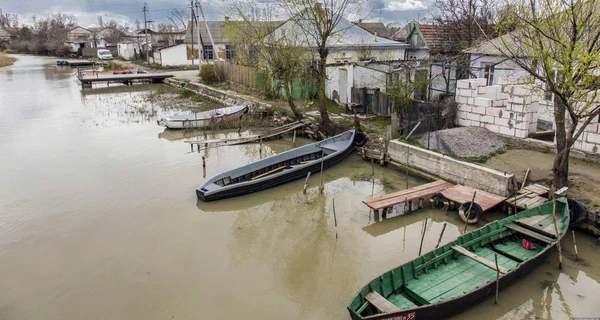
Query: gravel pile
(463,142)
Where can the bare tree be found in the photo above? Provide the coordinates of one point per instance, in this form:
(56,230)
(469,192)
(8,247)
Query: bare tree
(101,21)
(179,16)
(557,43)
(115,33)
(317,21)
(465,20)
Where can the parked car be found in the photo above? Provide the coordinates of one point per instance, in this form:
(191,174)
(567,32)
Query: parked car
(104,54)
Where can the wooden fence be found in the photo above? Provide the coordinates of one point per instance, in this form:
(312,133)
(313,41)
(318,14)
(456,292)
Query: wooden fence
(372,101)
(236,73)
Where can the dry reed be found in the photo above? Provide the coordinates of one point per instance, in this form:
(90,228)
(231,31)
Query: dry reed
(6,60)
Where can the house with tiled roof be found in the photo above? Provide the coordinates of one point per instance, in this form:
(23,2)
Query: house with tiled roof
(376,28)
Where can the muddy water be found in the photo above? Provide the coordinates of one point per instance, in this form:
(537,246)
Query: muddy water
(98,219)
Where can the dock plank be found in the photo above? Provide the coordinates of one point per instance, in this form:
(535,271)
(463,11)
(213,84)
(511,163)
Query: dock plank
(382,304)
(461,194)
(479,259)
(421,191)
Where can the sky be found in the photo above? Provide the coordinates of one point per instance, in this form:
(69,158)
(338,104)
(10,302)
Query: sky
(398,12)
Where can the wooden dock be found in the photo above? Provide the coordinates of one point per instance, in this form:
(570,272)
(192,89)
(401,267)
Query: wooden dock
(407,195)
(267,135)
(128,79)
(528,197)
(74,62)
(460,194)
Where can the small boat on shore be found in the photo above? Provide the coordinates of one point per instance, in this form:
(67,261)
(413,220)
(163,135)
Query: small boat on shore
(457,276)
(202,119)
(280,168)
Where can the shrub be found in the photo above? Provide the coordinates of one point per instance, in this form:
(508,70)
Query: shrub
(208,74)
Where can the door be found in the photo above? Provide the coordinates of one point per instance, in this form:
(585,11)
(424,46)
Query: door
(343,85)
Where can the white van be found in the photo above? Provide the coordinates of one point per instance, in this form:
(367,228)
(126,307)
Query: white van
(104,54)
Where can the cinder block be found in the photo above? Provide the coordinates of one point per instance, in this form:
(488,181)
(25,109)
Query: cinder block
(495,112)
(461,99)
(464,108)
(462,84)
(481,90)
(479,82)
(520,133)
(461,114)
(473,116)
(471,101)
(592,127)
(515,107)
(475,123)
(589,147)
(463,122)
(486,119)
(507,131)
(463,92)
(592,137)
(520,91)
(501,121)
(493,128)
(483,102)
(478,110)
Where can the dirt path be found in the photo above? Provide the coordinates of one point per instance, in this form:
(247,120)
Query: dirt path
(584,176)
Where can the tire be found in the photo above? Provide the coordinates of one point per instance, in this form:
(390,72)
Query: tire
(475,215)
(577,212)
(438,201)
(360,139)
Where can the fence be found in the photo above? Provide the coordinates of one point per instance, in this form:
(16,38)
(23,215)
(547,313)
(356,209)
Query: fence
(237,73)
(372,101)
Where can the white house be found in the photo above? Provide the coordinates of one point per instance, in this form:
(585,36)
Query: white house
(175,55)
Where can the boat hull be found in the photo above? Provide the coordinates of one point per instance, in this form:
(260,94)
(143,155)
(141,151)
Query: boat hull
(465,302)
(275,181)
(205,119)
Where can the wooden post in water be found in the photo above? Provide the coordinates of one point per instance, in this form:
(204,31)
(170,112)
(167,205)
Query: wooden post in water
(321,188)
(556,229)
(469,211)
(203,162)
(575,245)
(294,140)
(497,276)
(335,219)
(422,237)
(306,182)
(441,234)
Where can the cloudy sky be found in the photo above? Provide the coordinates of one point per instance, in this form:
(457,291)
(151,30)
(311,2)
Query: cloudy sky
(127,11)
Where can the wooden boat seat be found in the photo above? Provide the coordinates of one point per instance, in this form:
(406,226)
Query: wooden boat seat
(479,259)
(382,304)
(543,225)
(269,172)
(530,233)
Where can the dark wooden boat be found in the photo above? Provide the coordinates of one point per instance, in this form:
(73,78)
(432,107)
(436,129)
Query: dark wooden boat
(279,169)
(457,276)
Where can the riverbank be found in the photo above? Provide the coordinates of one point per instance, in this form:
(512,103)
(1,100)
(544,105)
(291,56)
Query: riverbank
(6,60)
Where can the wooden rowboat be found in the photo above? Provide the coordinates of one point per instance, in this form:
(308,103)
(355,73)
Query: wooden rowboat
(455,277)
(202,119)
(280,168)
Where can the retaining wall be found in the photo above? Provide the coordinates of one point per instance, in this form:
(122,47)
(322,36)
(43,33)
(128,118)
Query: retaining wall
(452,170)
(226,97)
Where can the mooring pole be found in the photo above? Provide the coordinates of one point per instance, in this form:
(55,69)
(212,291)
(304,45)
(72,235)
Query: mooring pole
(322,156)
(422,237)
(294,140)
(335,219)
(575,245)
(468,213)
(441,234)
(497,276)
(306,182)
(556,229)
(203,162)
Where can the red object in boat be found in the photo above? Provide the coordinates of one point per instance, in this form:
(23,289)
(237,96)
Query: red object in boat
(528,245)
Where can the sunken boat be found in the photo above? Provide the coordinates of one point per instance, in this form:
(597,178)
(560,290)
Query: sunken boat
(202,119)
(280,168)
(457,276)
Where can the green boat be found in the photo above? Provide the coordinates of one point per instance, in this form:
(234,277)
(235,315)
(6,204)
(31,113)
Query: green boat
(457,276)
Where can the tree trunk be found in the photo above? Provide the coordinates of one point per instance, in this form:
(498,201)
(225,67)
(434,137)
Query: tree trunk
(560,167)
(325,121)
(290,98)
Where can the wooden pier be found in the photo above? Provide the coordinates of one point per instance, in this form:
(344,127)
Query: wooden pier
(267,135)
(460,194)
(127,79)
(74,62)
(408,195)
(528,197)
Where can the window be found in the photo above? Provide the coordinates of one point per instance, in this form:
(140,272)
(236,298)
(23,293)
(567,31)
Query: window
(207,52)
(488,73)
(228,52)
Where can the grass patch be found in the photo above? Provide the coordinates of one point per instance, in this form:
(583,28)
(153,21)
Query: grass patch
(479,159)
(182,80)
(6,60)
(332,106)
(382,123)
(185,94)
(412,142)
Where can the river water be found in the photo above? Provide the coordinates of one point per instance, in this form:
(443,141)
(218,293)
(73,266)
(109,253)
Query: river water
(99,219)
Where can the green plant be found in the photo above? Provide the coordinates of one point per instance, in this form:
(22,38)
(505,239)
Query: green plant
(182,80)
(185,93)
(208,74)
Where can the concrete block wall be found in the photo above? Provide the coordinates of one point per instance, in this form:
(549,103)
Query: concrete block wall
(505,109)
(452,170)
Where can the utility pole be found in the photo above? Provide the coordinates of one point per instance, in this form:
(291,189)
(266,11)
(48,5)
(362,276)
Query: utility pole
(145,9)
(207,29)
(192,34)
